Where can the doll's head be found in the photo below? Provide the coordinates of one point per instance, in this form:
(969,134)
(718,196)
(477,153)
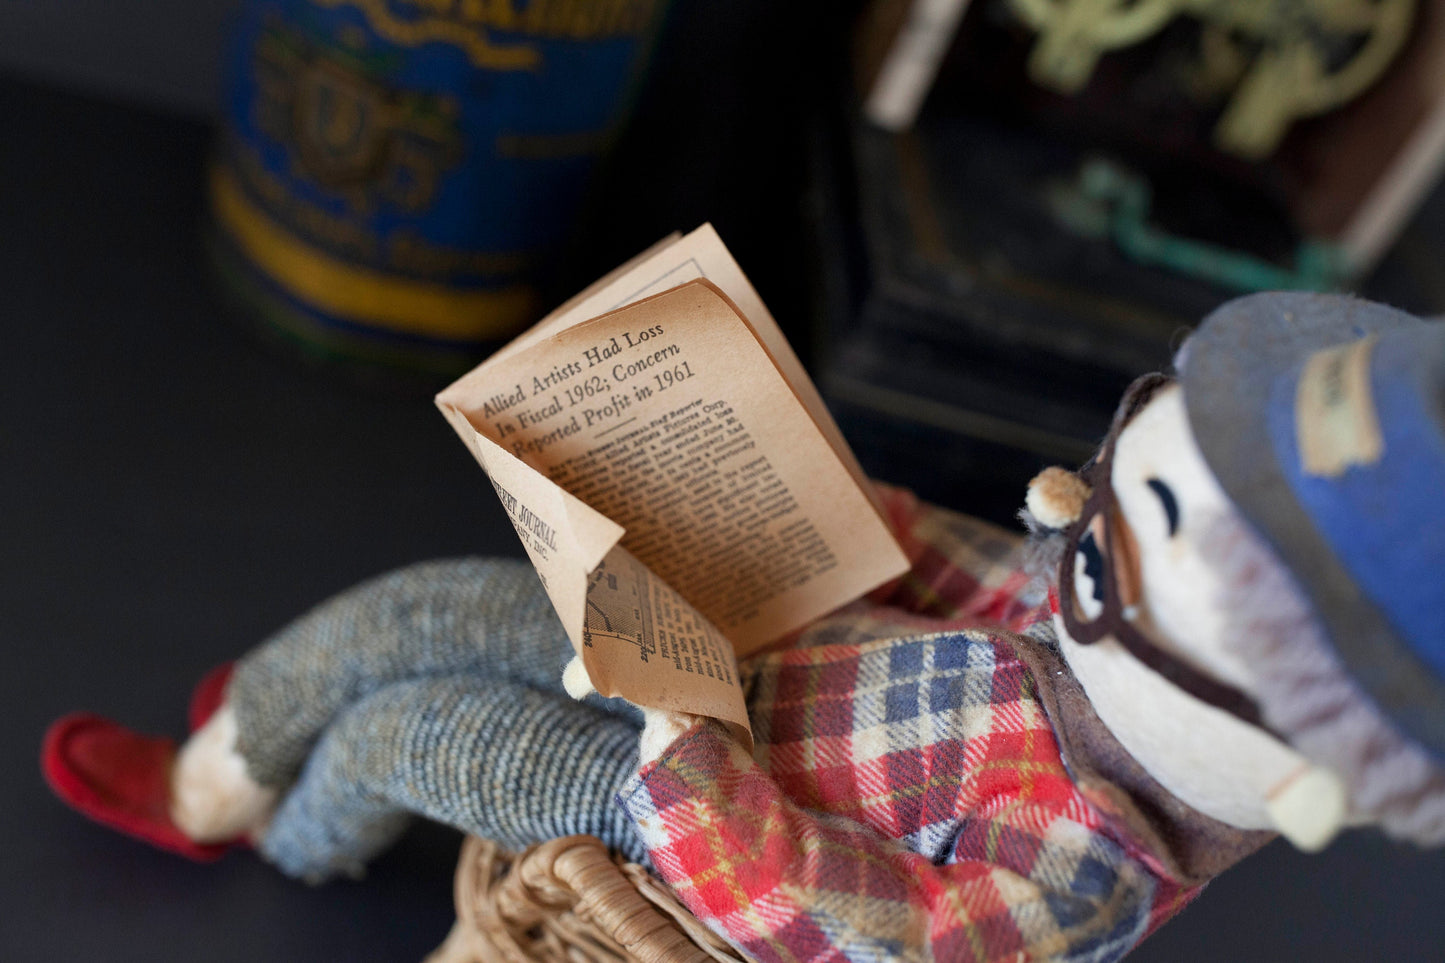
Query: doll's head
(1251,573)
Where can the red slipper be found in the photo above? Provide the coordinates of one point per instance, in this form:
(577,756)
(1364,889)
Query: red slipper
(206,697)
(120,779)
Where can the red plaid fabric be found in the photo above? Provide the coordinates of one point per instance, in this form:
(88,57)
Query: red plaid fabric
(965,572)
(907,799)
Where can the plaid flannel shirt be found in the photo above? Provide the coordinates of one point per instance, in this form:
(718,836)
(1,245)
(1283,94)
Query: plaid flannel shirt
(906,799)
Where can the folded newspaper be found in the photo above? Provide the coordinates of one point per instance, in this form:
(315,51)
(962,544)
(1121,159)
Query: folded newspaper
(674,476)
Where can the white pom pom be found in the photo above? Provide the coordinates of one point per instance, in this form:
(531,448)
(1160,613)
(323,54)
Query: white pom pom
(1056,497)
(213,797)
(576,680)
(661,729)
(1309,808)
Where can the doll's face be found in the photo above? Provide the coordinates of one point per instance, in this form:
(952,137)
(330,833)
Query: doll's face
(1165,529)
(1188,570)
(1167,501)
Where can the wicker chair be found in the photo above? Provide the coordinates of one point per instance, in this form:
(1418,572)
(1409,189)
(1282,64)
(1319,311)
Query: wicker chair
(569,900)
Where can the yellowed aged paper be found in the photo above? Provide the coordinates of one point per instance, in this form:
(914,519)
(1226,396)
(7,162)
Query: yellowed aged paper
(667,264)
(674,476)
(564,538)
(638,638)
(670,418)
(644,642)
(1336,426)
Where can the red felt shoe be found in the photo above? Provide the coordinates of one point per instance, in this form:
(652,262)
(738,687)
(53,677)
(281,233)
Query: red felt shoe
(208,694)
(121,779)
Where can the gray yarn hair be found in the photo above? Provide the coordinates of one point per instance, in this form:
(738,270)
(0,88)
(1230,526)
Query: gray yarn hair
(1309,697)
(1044,549)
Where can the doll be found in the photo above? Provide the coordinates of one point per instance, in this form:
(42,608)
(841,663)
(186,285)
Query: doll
(1235,636)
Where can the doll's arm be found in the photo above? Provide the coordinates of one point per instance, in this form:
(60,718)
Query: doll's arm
(964,570)
(1027,881)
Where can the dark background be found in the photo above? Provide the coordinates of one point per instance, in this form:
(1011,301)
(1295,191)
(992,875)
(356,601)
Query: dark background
(173,491)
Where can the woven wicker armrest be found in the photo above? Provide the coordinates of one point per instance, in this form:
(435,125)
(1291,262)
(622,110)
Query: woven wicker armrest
(569,900)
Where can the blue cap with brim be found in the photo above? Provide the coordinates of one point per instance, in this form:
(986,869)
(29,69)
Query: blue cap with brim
(1323,418)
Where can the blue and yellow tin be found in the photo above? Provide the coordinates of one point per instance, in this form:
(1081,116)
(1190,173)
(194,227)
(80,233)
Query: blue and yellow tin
(396,173)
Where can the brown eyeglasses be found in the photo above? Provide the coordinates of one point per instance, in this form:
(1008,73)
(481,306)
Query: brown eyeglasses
(1112,561)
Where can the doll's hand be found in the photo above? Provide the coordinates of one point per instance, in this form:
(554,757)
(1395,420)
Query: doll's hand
(576,680)
(660,729)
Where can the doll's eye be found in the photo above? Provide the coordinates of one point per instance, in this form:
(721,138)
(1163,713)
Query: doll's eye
(1170,503)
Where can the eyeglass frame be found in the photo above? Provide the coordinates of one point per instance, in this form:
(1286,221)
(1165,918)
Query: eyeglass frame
(1115,617)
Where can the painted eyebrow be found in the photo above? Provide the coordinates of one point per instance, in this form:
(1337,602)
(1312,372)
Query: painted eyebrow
(1167,499)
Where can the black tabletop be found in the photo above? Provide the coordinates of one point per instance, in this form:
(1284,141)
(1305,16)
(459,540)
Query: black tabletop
(173,492)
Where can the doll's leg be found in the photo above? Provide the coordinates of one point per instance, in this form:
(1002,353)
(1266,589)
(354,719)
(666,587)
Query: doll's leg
(504,761)
(439,618)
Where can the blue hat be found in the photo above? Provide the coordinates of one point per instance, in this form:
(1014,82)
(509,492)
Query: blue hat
(1323,418)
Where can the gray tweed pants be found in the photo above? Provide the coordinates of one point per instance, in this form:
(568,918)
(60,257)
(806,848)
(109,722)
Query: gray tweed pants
(434,690)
